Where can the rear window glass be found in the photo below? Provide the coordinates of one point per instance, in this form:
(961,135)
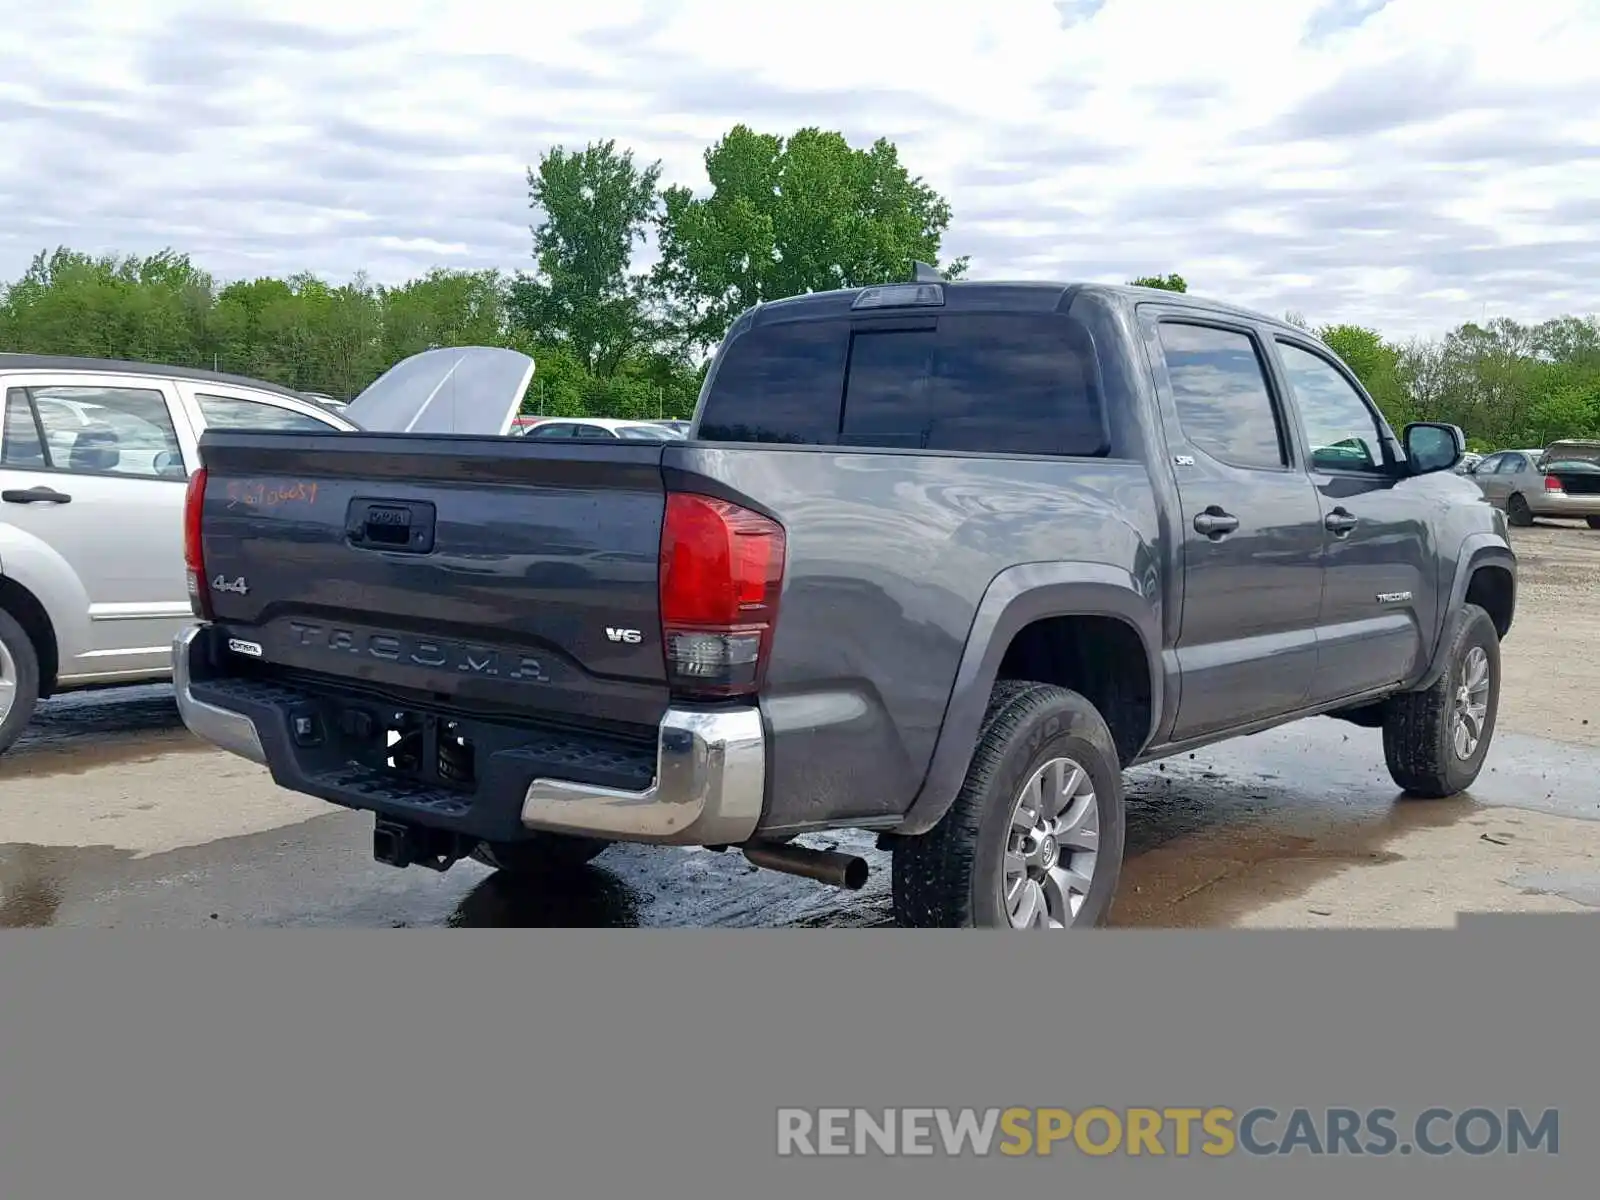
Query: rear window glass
(779,384)
(987,383)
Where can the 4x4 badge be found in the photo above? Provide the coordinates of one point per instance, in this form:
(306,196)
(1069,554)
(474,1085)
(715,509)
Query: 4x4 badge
(221,584)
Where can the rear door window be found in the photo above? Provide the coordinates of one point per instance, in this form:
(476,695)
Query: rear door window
(1220,390)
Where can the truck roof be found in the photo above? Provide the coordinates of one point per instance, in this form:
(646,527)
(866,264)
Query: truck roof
(63,362)
(1009,295)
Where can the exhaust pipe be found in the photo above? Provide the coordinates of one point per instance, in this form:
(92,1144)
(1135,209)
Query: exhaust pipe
(825,866)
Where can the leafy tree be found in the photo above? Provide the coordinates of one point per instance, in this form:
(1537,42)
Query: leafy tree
(597,203)
(787,216)
(1167,283)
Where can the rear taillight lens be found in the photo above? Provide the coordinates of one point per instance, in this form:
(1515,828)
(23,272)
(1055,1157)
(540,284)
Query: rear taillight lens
(1553,484)
(194,559)
(721,573)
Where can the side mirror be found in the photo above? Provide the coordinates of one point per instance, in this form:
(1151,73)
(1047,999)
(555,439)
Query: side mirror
(1433,446)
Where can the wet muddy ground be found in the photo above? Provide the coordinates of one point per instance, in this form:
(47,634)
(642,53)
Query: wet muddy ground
(111,814)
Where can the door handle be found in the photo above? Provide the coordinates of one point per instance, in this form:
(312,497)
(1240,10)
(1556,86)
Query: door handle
(1215,523)
(38,495)
(1339,522)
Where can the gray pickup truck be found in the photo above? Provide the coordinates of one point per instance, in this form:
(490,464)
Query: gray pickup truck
(938,560)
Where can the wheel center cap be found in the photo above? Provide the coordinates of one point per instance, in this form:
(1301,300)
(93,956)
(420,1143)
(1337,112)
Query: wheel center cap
(1048,852)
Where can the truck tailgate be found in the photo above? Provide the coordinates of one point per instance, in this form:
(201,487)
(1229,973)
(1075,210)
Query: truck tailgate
(495,572)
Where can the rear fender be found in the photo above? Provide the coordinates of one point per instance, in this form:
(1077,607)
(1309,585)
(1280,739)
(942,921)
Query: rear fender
(1016,598)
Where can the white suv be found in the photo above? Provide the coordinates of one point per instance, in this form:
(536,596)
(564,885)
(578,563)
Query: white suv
(94,461)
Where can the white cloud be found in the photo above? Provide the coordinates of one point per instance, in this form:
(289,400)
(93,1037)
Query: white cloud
(1407,164)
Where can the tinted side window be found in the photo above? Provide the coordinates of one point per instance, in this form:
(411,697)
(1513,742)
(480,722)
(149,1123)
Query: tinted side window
(990,384)
(1510,464)
(780,383)
(545,433)
(592,433)
(1221,394)
(1339,427)
(229,412)
(1490,465)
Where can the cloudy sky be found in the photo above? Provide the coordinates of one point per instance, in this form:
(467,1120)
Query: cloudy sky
(1409,164)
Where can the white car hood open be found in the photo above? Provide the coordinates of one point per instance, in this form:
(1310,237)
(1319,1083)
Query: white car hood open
(458,389)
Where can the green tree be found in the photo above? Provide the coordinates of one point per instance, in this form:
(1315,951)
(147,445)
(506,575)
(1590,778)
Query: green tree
(597,203)
(444,308)
(1166,283)
(786,216)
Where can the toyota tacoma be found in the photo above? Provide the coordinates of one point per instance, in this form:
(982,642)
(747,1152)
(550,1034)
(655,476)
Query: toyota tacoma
(938,560)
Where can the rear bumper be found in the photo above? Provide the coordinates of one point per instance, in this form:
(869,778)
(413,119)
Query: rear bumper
(1562,504)
(708,785)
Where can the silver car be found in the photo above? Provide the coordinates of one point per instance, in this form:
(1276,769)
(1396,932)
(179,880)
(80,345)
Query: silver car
(95,460)
(1562,480)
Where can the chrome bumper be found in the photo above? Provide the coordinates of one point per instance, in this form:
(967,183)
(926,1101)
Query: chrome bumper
(711,772)
(230,731)
(710,780)
(1562,504)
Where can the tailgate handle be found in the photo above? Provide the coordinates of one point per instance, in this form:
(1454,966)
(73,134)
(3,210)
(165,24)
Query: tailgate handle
(399,526)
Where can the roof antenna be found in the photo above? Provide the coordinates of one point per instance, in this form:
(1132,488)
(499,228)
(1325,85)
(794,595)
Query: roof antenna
(921,272)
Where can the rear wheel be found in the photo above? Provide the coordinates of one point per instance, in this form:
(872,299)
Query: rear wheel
(1035,838)
(1435,741)
(19,680)
(1518,512)
(541,854)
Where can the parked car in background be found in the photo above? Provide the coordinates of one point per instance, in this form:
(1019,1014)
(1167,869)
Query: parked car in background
(567,429)
(680,427)
(95,456)
(1468,463)
(1562,480)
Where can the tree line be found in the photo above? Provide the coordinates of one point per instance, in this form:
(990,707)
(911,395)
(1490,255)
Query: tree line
(783,216)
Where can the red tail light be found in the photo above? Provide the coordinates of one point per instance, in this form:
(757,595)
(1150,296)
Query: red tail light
(1553,484)
(721,573)
(194,558)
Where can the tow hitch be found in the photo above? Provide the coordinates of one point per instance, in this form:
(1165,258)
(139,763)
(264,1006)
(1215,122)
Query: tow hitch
(400,845)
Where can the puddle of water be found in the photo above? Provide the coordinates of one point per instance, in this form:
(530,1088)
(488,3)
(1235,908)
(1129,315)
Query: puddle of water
(1220,874)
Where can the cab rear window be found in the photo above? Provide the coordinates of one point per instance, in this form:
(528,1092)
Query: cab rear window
(980,382)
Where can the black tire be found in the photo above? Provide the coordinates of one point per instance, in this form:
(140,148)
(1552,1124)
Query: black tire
(541,854)
(1594,522)
(950,876)
(1518,512)
(25,683)
(1418,727)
